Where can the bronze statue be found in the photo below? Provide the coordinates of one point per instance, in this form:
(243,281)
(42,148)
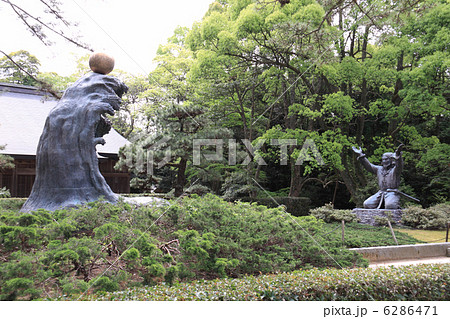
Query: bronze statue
(388,175)
(67,172)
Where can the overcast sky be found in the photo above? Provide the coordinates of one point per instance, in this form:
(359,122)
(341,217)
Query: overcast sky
(129,30)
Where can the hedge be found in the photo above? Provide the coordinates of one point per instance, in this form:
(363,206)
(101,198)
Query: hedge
(426,282)
(434,217)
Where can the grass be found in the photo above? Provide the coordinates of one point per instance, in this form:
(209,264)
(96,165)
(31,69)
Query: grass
(428,236)
(360,235)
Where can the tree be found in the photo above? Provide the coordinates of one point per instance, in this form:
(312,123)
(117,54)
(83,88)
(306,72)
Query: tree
(50,19)
(19,67)
(260,69)
(6,162)
(337,73)
(173,120)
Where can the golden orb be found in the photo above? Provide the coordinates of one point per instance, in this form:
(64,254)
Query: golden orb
(101,63)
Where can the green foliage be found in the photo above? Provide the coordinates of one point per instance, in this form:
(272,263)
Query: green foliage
(249,55)
(328,214)
(426,282)
(131,254)
(155,274)
(4,193)
(19,286)
(296,206)
(263,240)
(105,284)
(435,217)
(171,275)
(355,234)
(194,238)
(6,162)
(23,70)
(359,235)
(71,286)
(21,276)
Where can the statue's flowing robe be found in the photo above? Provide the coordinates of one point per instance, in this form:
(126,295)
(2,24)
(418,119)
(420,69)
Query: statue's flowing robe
(67,172)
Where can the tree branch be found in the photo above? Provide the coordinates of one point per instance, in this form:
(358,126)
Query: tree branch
(55,13)
(44,85)
(32,29)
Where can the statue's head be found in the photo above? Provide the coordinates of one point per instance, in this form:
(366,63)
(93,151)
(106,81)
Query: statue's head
(388,160)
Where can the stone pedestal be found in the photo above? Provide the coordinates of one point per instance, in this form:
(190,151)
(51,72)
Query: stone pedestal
(368,216)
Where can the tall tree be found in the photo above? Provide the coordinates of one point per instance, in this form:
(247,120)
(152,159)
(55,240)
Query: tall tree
(337,73)
(6,162)
(19,67)
(173,119)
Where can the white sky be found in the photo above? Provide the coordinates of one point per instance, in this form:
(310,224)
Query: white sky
(137,27)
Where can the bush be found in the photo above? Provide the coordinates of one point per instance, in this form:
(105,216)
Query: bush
(194,238)
(132,254)
(105,284)
(11,203)
(4,193)
(426,282)
(72,286)
(328,214)
(435,217)
(296,206)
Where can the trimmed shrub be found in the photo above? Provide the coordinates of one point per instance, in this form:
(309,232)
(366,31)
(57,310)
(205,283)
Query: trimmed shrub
(426,282)
(328,214)
(435,217)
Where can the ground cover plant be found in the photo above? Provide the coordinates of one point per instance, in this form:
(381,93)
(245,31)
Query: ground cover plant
(11,203)
(355,234)
(104,247)
(358,235)
(68,251)
(418,282)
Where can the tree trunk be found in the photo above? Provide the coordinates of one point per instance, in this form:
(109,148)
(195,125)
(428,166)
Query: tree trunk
(393,123)
(295,188)
(181,178)
(363,101)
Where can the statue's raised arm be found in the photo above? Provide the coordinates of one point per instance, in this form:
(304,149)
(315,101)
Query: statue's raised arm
(364,161)
(398,161)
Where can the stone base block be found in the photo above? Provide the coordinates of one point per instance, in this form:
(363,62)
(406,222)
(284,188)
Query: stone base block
(368,216)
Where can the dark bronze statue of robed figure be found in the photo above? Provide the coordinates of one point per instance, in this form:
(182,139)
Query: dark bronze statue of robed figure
(67,172)
(388,175)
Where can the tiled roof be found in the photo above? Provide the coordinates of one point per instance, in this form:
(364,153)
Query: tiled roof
(23,111)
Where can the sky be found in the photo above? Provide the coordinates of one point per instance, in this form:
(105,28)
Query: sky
(129,30)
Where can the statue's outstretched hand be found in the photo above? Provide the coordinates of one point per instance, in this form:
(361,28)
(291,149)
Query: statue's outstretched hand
(398,152)
(357,150)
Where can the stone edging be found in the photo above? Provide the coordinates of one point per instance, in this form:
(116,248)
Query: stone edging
(374,254)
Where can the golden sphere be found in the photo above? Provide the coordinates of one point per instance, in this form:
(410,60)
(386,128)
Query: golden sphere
(101,63)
